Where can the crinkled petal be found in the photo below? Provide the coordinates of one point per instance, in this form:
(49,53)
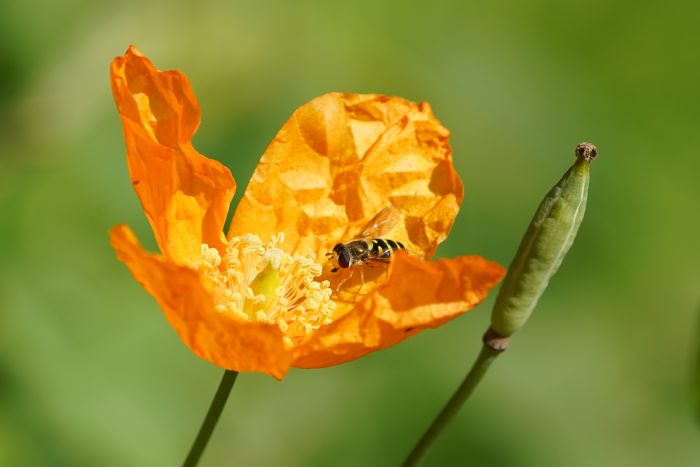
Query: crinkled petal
(186,299)
(417,295)
(341,159)
(185,195)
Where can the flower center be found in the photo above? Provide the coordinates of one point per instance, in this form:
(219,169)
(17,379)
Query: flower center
(258,281)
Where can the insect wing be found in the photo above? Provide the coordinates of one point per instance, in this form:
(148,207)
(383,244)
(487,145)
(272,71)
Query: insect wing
(382,223)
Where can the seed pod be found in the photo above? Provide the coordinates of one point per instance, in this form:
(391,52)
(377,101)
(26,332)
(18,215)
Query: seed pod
(542,249)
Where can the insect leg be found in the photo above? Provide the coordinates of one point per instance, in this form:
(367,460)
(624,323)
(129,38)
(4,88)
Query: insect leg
(362,284)
(342,281)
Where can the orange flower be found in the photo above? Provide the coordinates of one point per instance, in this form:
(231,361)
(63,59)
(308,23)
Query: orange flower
(262,298)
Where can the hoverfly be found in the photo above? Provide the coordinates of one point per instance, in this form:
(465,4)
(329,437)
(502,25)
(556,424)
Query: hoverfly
(368,247)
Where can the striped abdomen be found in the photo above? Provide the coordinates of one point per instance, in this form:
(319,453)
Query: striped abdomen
(345,255)
(381,248)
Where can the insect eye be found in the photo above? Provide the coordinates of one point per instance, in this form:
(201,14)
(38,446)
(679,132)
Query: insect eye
(344,258)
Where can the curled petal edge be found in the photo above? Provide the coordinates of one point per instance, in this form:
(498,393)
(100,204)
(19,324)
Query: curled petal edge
(184,194)
(186,300)
(417,295)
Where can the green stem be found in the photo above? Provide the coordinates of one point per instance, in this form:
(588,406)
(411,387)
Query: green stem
(478,370)
(217,405)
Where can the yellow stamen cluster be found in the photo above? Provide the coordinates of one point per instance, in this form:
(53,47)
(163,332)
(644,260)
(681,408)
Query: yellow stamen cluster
(260,282)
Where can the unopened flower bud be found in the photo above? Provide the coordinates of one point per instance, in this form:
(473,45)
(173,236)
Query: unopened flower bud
(547,240)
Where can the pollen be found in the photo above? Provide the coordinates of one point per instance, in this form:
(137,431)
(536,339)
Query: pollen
(257,281)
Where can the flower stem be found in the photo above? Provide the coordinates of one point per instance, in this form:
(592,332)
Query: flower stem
(478,370)
(217,405)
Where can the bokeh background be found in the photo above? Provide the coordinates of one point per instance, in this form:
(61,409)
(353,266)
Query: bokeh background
(91,374)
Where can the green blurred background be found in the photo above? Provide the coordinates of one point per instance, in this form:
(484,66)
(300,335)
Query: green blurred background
(91,374)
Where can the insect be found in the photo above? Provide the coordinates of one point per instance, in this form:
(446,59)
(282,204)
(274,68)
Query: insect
(368,247)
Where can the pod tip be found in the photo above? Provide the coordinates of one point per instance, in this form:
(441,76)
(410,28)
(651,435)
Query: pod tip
(586,152)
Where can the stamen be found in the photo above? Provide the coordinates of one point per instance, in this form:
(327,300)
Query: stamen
(260,282)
